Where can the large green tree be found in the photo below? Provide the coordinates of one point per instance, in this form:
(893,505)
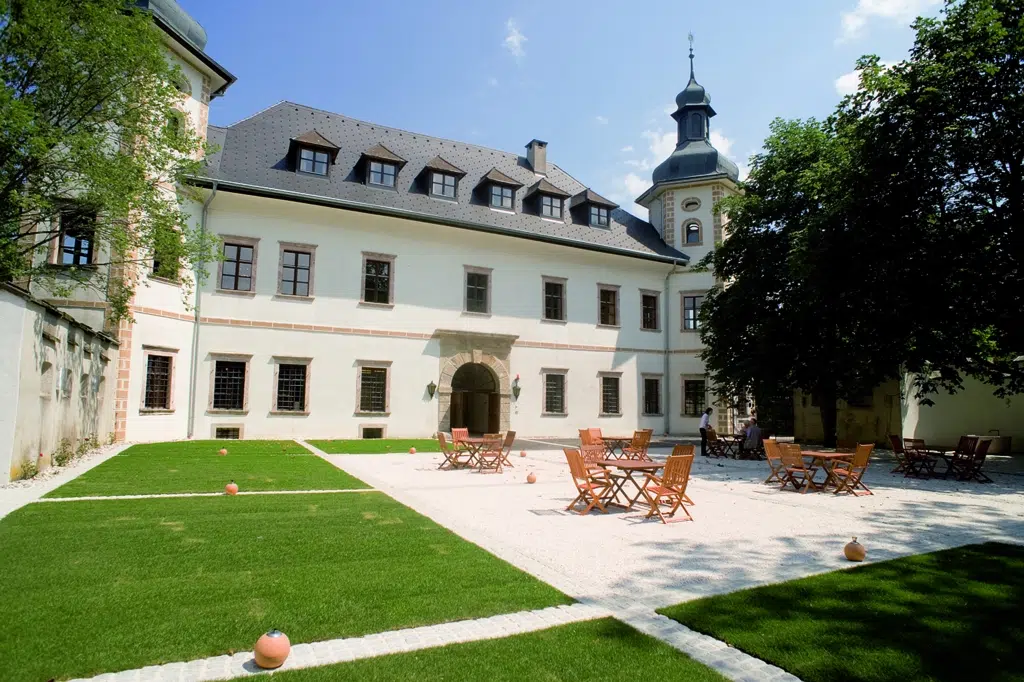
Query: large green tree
(91,119)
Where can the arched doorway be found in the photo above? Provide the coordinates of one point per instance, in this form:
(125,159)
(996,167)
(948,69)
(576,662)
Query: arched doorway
(476,404)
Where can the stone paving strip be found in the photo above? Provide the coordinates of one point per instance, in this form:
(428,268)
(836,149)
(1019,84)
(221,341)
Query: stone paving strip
(157,496)
(354,648)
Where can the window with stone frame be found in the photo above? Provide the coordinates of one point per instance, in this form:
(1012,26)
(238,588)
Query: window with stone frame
(691,232)
(608,306)
(377,274)
(478,290)
(77,240)
(691,311)
(554,299)
(157,393)
(694,397)
(652,395)
(554,393)
(229,385)
(291,387)
(649,311)
(610,395)
(237,266)
(296,272)
(373,389)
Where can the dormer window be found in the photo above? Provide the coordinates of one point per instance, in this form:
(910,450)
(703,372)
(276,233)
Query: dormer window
(381,166)
(313,161)
(382,174)
(501,197)
(551,207)
(498,190)
(590,208)
(442,185)
(599,216)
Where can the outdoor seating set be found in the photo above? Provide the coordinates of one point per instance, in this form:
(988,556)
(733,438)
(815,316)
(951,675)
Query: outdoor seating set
(964,462)
(792,466)
(488,453)
(603,466)
(731,445)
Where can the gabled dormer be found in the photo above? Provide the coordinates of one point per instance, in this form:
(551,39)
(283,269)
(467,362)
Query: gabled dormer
(590,208)
(498,190)
(546,200)
(440,179)
(312,153)
(379,167)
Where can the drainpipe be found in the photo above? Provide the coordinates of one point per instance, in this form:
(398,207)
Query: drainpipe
(194,369)
(668,392)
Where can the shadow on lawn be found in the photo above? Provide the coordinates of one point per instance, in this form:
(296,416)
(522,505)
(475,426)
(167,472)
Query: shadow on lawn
(950,615)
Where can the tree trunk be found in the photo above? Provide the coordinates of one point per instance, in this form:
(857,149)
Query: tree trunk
(829,416)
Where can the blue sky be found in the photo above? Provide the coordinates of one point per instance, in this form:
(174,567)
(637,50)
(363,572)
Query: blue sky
(596,80)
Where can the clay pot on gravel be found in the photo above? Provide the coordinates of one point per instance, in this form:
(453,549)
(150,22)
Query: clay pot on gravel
(272,649)
(412,451)
(223,451)
(522,453)
(231,488)
(531,477)
(855,551)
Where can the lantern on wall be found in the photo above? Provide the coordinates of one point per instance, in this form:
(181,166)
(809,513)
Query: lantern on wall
(431,387)
(515,387)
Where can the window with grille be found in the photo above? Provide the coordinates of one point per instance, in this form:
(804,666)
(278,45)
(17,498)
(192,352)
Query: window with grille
(77,236)
(550,207)
(229,385)
(158,383)
(609,304)
(291,388)
(609,395)
(691,311)
(227,433)
(477,284)
(382,174)
(295,271)
(599,216)
(694,397)
(692,232)
(652,395)
(442,185)
(312,161)
(649,311)
(377,281)
(373,387)
(236,270)
(373,432)
(554,393)
(501,197)
(554,300)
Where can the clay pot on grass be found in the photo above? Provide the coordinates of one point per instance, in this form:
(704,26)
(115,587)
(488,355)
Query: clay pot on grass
(272,649)
(223,451)
(231,488)
(412,451)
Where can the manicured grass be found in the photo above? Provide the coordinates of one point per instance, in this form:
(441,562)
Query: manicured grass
(100,586)
(951,615)
(593,650)
(196,467)
(375,446)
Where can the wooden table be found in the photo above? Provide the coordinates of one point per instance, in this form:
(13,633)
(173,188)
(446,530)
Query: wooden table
(614,445)
(731,443)
(472,446)
(827,460)
(942,452)
(629,467)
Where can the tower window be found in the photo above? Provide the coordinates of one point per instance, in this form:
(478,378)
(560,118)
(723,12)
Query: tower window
(382,174)
(312,161)
(692,232)
(551,207)
(696,126)
(599,216)
(77,233)
(501,197)
(442,185)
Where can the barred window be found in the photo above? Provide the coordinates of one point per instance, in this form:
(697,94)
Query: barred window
(554,300)
(229,385)
(236,270)
(158,383)
(442,185)
(377,281)
(652,395)
(291,388)
(227,433)
(295,270)
(649,311)
(694,397)
(609,304)
(609,395)
(554,393)
(373,389)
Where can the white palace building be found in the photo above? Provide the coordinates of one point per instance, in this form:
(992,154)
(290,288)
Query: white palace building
(380,282)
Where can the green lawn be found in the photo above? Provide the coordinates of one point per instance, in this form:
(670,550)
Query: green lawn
(196,467)
(100,586)
(593,650)
(375,446)
(953,615)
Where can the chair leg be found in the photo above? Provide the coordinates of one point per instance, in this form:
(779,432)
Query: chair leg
(572,504)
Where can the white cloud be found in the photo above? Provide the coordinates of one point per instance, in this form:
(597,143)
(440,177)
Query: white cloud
(492,81)
(514,39)
(722,143)
(744,171)
(661,143)
(602,120)
(849,83)
(899,11)
(627,148)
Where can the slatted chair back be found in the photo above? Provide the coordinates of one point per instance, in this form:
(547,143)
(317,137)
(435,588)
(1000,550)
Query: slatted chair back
(914,444)
(595,437)
(577,467)
(791,455)
(772,452)
(459,435)
(681,450)
(979,455)
(897,445)
(637,448)
(966,445)
(712,435)
(677,471)
(490,455)
(861,455)
(510,439)
(593,453)
(442,442)
(585,438)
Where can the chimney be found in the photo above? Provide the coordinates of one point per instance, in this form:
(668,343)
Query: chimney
(537,155)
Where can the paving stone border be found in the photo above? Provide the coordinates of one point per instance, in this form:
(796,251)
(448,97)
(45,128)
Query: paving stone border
(156,496)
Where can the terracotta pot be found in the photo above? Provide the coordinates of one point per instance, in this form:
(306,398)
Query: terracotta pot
(412,451)
(231,488)
(531,477)
(272,649)
(223,451)
(855,551)
(522,453)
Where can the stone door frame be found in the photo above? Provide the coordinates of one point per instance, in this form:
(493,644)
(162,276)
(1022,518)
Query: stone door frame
(459,348)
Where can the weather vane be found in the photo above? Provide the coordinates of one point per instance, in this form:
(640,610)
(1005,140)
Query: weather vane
(690,38)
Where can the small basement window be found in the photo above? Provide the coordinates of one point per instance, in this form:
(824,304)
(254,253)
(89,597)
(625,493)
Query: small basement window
(373,432)
(227,433)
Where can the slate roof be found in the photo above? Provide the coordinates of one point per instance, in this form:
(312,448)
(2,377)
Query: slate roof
(382,153)
(253,158)
(547,188)
(495,175)
(315,139)
(439,164)
(589,196)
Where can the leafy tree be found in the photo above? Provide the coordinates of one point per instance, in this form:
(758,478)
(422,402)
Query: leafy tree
(91,120)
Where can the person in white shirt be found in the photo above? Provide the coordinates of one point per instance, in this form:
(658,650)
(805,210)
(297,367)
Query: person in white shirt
(705,421)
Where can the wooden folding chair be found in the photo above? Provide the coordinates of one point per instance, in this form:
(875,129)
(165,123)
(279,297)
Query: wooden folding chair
(506,453)
(671,486)
(899,453)
(716,447)
(795,471)
(963,454)
(850,475)
(491,454)
(918,459)
(585,437)
(593,454)
(593,488)
(774,457)
(638,448)
(453,459)
(971,468)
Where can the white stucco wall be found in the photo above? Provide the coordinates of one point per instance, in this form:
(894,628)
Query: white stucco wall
(972,411)
(12,321)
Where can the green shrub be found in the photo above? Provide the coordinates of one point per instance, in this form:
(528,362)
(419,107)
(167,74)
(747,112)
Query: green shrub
(63,454)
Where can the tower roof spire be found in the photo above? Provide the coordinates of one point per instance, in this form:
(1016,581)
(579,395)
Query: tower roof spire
(690,38)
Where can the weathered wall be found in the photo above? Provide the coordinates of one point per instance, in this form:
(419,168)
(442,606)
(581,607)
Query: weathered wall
(972,411)
(872,422)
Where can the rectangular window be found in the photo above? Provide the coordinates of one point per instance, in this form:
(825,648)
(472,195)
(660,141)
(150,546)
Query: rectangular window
(501,197)
(652,395)
(598,216)
(608,299)
(229,385)
(554,300)
(227,433)
(291,388)
(236,268)
(478,297)
(442,185)
(373,389)
(77,237)
(694,397)
(691,311)
(554,393)
(609,395)
(382,174)
(373,432)
(311,161)
(295,271)
(377,281)
(550,207)
(158,383)
(649,311)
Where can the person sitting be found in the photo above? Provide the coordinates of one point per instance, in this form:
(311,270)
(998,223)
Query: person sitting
(752,441)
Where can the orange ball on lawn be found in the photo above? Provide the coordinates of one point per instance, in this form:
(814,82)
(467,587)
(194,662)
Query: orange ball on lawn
(231,488)
(223,451)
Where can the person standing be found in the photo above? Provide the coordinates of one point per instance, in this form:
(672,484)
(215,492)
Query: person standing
(705,422)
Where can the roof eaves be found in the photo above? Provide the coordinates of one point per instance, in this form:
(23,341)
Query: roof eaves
(382,153)
(545,187)
(439,164)
(495,175)
(199,54)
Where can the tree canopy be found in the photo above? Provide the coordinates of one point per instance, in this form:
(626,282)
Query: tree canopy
(92,120)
